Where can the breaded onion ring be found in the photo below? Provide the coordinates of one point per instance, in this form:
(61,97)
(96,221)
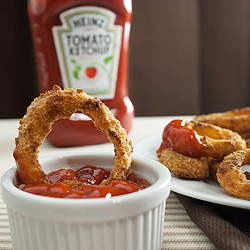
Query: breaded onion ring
(197,139)
(230,176)
(59,104)
(184,166)
(218,142)
(237,120)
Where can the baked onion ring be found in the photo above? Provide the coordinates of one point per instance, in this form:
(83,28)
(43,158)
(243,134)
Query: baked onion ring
(197,139)
(230,176)
(59,104)
(184,166)
(237,120)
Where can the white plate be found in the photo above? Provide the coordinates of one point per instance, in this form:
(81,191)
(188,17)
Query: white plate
(208,190)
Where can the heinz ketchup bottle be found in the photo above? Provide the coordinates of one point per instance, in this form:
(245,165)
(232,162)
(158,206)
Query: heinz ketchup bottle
(83,44)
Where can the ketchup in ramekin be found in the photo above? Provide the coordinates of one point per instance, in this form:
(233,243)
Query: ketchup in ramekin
(87,180)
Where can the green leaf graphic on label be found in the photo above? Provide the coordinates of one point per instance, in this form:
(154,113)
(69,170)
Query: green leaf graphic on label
(75,74)
(76,70)
(107,59)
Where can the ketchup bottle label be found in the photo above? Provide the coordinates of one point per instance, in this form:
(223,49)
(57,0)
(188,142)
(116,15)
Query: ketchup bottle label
(88,47)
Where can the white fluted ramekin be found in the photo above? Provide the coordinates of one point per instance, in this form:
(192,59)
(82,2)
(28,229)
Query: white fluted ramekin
(127,222)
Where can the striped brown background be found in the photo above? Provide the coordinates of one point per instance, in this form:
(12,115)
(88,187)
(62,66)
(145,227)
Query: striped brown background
(186,57)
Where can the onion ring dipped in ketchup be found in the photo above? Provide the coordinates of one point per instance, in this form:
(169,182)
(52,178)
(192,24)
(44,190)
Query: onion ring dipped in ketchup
(59,104)
(37,123)
(188,147)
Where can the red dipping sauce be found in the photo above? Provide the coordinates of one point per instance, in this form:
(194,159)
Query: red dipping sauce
(91,177)
(178,137)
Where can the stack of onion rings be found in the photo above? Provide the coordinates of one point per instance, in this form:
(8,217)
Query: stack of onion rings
(216,143)
(223,154)
(59,104)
